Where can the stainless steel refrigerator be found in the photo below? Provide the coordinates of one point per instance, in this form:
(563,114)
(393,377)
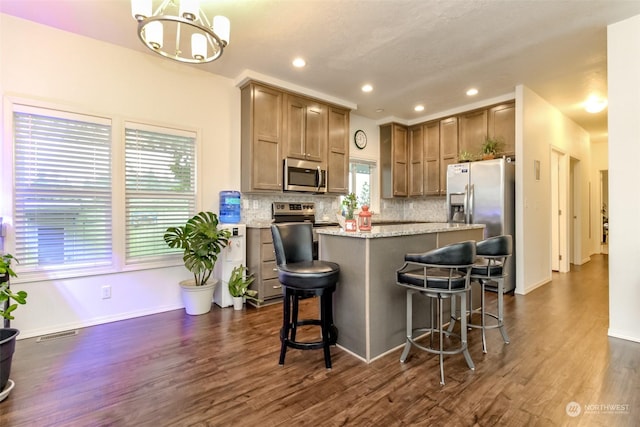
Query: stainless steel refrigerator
(483,192)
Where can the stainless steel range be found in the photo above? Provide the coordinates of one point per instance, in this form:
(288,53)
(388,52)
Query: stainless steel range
(298,212)
(293,212)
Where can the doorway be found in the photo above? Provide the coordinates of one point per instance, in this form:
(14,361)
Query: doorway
(604,211)
(559,212)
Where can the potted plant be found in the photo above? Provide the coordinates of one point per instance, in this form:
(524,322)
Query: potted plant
(201,242)
(465,156)
(239,283)
(7,335)
(491,147)
(350,203)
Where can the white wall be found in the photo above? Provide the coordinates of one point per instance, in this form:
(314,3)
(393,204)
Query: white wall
(89,76)
(539,127)
(371,128)
(623,45)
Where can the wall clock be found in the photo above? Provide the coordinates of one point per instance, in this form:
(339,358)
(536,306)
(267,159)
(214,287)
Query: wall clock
(360,139)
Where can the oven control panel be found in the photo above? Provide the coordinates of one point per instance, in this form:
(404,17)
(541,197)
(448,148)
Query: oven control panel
(292,208)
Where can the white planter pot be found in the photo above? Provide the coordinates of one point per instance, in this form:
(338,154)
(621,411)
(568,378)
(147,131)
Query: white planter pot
(237,303)
(197,299)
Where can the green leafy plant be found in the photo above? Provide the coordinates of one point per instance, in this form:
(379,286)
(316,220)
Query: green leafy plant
(491,145)
(239,283)
(6,294)
(201,242)
(350,203)
(465,156)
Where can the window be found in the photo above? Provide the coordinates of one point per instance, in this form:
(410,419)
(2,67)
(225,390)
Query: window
(62,189)
(159,187)
(362,182)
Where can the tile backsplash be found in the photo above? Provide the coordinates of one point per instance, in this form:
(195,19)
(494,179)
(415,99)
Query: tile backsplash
(256,208)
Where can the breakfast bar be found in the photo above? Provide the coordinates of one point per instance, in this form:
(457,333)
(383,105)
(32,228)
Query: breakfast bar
(369,308)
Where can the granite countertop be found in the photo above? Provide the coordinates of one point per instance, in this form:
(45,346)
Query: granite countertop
(378,231)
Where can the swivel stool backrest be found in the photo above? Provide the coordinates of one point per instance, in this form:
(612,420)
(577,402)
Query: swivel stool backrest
(302,277)
(439,274)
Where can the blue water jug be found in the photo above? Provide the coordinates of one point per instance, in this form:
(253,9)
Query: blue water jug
(230,207)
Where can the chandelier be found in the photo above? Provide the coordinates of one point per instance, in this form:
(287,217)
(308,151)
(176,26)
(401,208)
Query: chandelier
(181,22)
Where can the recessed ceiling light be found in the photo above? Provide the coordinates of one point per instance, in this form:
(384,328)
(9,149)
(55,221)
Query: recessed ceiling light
(471,92)
(367,88)
(299,62)
(595,104)
(380,110)
(419,108)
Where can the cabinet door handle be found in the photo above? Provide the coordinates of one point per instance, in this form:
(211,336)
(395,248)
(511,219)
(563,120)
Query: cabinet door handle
(275,269)
(277,286)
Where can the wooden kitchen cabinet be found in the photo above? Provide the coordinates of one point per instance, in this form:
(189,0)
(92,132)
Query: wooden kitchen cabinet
(448,149)
(305,128)
(431,132)
(338,151)
(261,138)
(472,132)
(502,125)
(393,160)
(416,161)
(261,262)
(276,124)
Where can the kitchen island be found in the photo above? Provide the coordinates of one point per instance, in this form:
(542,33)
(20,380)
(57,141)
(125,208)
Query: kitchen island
(369,308)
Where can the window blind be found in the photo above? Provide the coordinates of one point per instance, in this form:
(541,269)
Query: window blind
(160,187)
(62,190)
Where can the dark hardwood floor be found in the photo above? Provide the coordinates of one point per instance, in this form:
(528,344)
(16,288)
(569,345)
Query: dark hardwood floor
(172,369)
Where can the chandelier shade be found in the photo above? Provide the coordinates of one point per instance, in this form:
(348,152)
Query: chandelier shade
(179,30)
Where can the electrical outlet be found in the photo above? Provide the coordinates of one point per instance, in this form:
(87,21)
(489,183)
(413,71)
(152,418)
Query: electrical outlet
(256,204)
(106,292)
(245,204)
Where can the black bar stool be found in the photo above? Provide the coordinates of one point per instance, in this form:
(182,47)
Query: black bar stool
(490,269)
(439,274)
(302,277)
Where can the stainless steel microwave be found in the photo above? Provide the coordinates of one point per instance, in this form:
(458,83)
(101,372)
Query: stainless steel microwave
(301,175)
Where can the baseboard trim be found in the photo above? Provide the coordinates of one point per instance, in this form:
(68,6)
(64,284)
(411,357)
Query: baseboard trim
(623,336)
(96,321)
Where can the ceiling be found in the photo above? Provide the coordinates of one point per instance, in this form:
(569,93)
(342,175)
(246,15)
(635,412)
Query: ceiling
(411,51)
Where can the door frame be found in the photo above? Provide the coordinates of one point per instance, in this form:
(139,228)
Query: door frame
(560,210)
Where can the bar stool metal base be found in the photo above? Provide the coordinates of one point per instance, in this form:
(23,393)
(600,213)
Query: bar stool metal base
(437,319)
(499,317)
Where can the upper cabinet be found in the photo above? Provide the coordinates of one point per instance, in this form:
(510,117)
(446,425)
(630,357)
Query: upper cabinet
(416,161)
(448,149)
(473,131)
(431,132)
(338,151)
(261,138)
(305,128)
(393,160)
(502,125)
(276,124)
(497,122)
